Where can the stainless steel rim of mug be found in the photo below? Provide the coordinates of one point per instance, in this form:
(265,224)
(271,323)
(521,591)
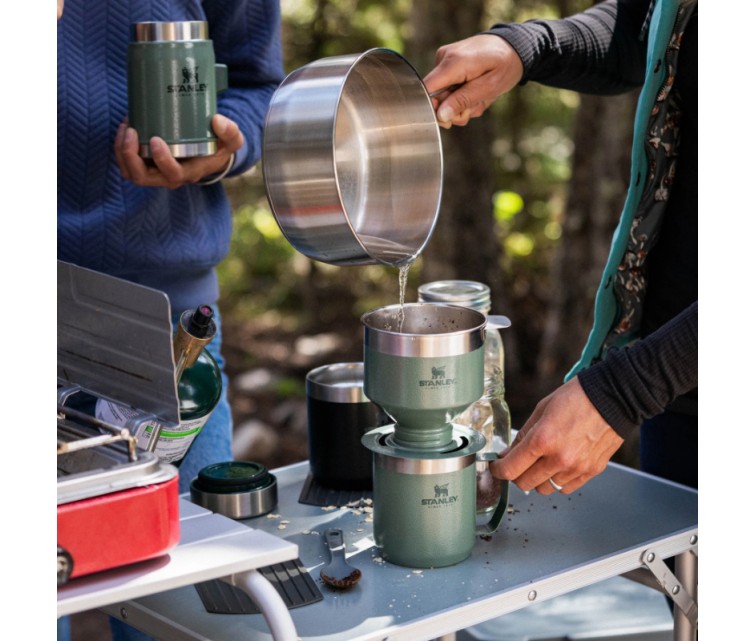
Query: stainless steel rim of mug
(184,150)
(439,340)
(337,383)
(170,31)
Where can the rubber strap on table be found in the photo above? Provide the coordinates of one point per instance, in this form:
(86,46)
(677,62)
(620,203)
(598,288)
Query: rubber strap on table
(290,580)
(315,494)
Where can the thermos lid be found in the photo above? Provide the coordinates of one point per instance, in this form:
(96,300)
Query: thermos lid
(465,293)
(169,31)
(337,383)
(236,489)
(233,476)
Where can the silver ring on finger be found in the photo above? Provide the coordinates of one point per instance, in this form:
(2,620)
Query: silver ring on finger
(556,486)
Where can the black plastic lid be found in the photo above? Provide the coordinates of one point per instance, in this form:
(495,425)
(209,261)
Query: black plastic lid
(233,476)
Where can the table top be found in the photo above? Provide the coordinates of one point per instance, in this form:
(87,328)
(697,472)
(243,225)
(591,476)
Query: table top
(211,546)
(545,547)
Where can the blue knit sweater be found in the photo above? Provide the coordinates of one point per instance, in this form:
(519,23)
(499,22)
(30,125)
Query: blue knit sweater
(169,240)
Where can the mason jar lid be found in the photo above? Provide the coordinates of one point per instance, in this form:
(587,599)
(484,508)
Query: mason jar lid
(464,293)
(337,383)
(169,31)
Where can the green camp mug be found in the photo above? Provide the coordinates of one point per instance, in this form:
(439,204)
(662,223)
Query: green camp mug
(425,502)
(173,82)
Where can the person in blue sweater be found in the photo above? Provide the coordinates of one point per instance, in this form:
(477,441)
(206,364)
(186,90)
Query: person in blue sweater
(164,225)
(639,367)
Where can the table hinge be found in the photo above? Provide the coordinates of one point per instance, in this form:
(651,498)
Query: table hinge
(670,584)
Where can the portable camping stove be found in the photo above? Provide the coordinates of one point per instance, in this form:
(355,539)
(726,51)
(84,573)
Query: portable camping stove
(117,504)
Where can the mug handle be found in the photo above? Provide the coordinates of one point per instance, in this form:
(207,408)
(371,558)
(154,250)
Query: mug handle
(221,78)
(493,523)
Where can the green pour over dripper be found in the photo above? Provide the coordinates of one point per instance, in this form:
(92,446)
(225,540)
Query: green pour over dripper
(423,365)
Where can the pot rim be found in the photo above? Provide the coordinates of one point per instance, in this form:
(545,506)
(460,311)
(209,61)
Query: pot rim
(355,249)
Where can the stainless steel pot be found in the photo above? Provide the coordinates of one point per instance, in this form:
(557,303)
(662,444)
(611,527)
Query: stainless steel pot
(352,159)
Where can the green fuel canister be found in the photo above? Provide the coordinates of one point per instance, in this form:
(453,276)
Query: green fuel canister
(199,386)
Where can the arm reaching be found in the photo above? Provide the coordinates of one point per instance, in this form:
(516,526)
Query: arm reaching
(565,439)
(599,51)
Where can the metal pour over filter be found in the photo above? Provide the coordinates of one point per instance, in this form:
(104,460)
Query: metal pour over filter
(423,365)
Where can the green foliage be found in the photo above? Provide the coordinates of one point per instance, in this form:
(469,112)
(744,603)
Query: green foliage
(533,149)
(507,204)
(257,273)
(291,388)
(315,29)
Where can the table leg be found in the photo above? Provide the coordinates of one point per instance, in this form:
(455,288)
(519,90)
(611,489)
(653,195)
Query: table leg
(686,569)
(271,605)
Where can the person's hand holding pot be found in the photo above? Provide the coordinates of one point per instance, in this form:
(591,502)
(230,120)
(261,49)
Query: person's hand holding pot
(482,68)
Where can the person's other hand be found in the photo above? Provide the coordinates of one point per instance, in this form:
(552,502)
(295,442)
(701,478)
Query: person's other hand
(167,171)
(565,439)
(484,66)
(60,8)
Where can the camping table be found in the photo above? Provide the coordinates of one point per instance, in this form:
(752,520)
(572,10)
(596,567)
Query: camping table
(623,522)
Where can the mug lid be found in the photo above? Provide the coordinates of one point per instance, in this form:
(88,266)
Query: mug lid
(169,31)
(233,476)
(337,383)
(236,489)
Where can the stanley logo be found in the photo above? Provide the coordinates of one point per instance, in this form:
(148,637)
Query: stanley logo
(441,498)
(438,378)
(190,82)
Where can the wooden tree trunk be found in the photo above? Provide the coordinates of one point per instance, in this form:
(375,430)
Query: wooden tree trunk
(600,171)
(463,244)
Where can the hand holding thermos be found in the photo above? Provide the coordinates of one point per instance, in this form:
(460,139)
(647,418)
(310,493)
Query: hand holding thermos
(170,172)
(173,135)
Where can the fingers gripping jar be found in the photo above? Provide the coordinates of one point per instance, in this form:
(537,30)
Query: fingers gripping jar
(490,414)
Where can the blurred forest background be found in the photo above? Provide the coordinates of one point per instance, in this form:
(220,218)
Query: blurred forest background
(532,192)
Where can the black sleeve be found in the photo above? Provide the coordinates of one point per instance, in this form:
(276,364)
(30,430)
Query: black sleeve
(641,380)
(599,51)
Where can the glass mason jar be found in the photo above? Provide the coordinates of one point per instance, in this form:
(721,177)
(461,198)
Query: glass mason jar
(490,414)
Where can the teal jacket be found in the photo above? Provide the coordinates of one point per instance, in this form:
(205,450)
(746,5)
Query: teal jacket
(606,309)
(613,47)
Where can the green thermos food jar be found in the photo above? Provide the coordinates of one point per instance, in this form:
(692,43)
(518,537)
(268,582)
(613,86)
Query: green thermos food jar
(173,82)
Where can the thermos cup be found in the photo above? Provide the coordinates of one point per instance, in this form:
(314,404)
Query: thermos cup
(173,82)
(338,415)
